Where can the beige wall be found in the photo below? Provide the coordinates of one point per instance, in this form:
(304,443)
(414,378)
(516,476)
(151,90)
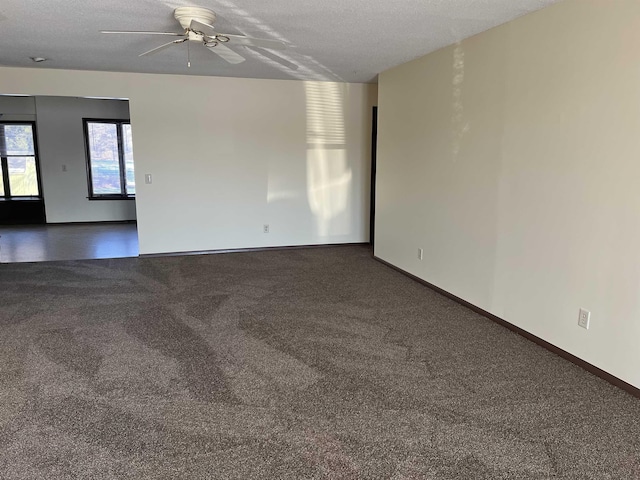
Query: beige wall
(513,160)
(230,155)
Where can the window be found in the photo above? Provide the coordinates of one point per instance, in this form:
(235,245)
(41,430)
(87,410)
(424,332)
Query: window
(18,165)
(109,159)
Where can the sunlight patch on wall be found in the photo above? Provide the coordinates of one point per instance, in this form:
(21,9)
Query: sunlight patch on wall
(329,176)
(460,126)
(325,113)
(277,190)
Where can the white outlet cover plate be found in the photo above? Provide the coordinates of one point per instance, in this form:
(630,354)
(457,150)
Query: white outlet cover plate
(584,317)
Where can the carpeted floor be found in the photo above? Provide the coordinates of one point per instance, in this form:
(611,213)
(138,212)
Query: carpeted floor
(311,363)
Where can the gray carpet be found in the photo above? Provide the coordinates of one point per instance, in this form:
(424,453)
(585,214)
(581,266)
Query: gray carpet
(311,363)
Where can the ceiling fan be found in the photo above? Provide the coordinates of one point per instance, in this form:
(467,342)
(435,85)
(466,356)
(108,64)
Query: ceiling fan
(197,24)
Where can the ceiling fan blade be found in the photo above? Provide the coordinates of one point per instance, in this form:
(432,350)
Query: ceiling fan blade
(227,54)
(143,33)
(162,47)
(274,57)
(254,42)
(205,28)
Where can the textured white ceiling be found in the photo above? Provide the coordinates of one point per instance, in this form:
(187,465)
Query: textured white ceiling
(338,40)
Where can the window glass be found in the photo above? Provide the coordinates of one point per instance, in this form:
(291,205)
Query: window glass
(23,179)
(127,143)
(18,141)
(104,157)
(18,174)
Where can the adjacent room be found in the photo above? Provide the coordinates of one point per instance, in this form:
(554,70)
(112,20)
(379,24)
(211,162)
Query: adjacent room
(68,190)
(372,240)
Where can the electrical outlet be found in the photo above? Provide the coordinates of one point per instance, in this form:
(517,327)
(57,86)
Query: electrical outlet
(420,252)
(584,318)
(265,228)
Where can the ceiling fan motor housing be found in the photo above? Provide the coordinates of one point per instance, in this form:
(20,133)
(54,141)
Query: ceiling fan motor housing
(185,15)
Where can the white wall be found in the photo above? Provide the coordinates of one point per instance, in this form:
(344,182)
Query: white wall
(230,155)
(61,142)
(513,160)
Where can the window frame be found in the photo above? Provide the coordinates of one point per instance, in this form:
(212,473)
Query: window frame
(123,195)
(7,196)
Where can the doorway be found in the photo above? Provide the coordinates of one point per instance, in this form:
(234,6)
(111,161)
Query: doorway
(68,185)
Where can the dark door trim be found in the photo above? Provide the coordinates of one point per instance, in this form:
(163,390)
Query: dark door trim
(374,146)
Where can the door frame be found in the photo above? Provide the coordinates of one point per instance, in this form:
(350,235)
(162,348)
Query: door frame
(374,144)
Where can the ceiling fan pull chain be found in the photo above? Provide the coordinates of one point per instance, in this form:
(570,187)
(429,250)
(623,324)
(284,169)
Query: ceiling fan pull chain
(188,55)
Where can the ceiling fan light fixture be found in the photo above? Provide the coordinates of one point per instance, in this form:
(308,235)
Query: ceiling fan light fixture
(211,43)
(185,15)
(222,38)
(38,59)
